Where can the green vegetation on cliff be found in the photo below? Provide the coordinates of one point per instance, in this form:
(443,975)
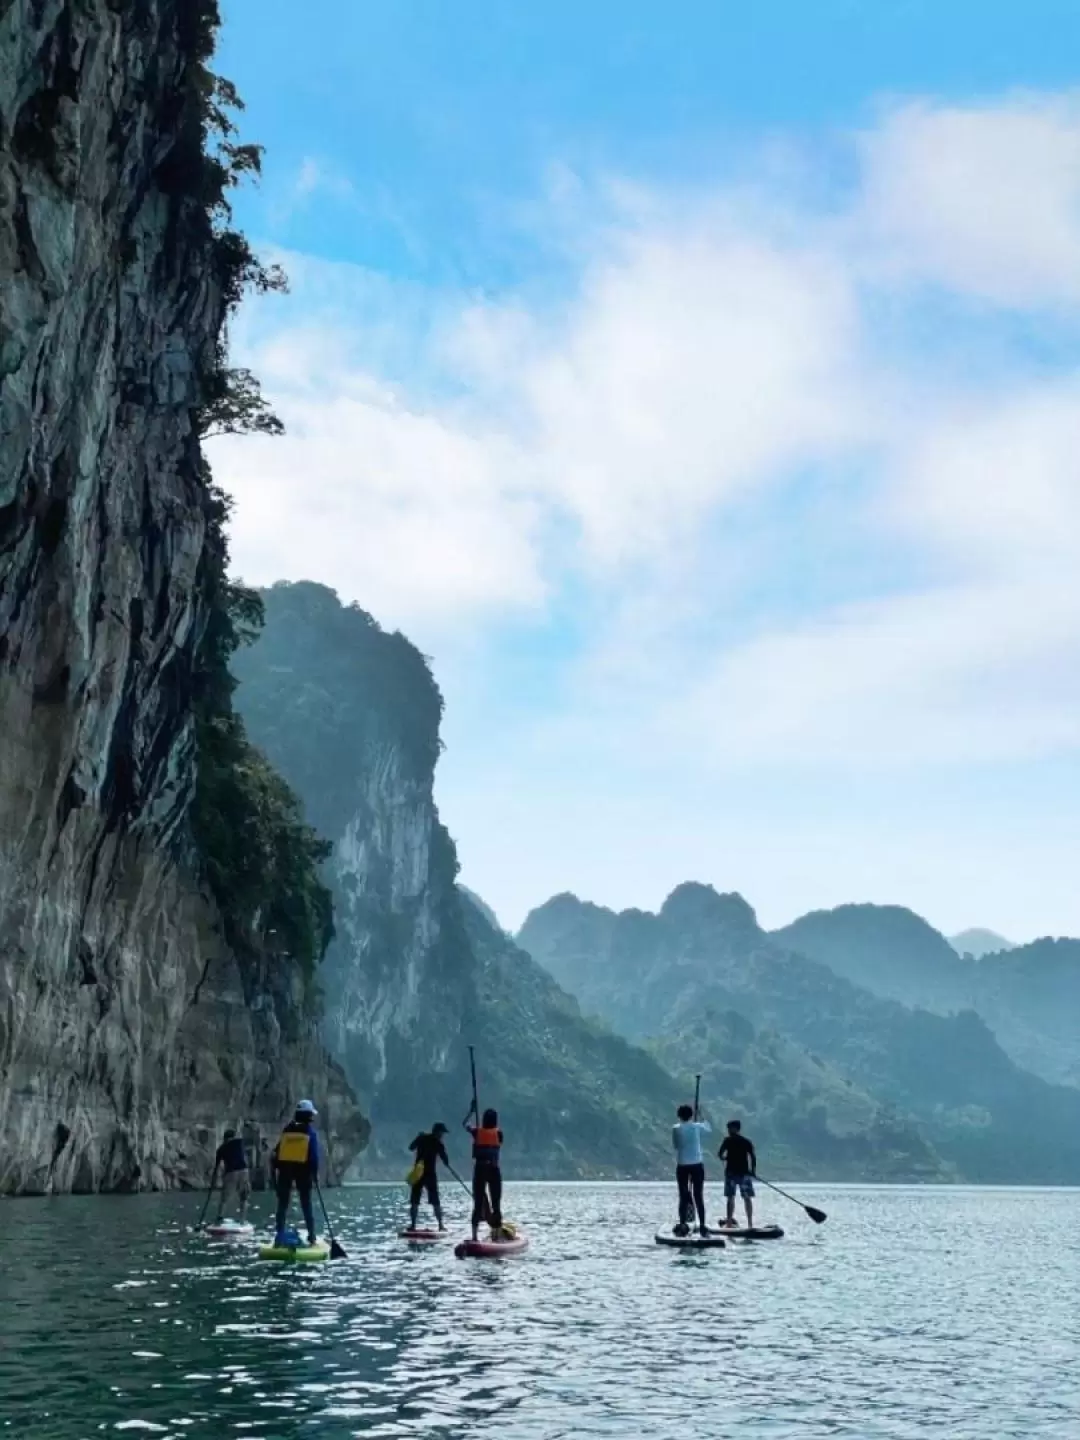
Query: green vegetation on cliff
(260,858)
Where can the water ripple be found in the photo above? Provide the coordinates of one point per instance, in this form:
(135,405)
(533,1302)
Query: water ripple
(912,1313)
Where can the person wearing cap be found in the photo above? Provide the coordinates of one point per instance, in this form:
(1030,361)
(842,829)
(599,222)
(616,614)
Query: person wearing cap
(429,1149)
(295,1161)
(235,1180)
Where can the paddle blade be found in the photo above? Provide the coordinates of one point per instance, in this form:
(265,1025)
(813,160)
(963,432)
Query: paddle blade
(818,1216)
(336,1252)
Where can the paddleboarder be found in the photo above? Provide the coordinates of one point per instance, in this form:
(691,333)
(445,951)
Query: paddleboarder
(295,1161)
(740,1171)
(235,1177)
(686,1137)
(487,1176)
(429,1149)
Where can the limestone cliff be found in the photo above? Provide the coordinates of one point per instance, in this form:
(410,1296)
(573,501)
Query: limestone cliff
(350,716)
(128,1030)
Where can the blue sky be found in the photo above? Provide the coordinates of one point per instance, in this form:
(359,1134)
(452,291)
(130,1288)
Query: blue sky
(695,383)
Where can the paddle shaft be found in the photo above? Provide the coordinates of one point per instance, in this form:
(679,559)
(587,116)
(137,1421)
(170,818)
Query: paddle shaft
(459,1180)
(206,1203)
(818,1216)
(336,1252)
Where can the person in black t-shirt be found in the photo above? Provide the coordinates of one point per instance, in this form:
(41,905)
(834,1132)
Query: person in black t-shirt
(740,1167)
(235,1178)
(429,1150)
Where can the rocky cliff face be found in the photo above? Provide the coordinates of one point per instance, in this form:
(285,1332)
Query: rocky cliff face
(417,972)
(128,1034)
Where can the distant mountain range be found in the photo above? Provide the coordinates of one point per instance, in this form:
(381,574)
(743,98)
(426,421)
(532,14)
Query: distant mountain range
(1029,995)
(865,1003)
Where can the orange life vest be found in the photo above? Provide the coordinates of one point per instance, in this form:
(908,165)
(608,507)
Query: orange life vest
(486,1145)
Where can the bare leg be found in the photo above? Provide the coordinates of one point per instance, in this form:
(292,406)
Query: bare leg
(749,1211)
(730,1210)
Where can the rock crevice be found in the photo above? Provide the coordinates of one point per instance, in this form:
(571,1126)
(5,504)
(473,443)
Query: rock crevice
(126,1039)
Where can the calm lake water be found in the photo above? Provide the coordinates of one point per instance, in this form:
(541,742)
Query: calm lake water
(911,1312)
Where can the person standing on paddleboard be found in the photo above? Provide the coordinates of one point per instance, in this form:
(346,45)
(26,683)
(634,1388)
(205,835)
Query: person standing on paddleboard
(740,1171)
(686,1137)
(487,1176)
(235,1179)
(295,1161)
(429,1150)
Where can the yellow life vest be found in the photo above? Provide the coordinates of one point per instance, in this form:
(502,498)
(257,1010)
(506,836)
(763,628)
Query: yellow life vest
(294,1147)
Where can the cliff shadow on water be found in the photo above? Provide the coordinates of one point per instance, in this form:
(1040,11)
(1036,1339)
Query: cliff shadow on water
(132,1025)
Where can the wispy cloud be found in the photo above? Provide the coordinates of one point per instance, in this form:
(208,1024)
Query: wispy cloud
(723,362)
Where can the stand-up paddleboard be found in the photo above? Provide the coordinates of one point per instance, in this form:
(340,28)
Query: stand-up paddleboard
(230,1230)
(298,1255)
(752,1232)
(490,1249)
(691,1241)
(423,1235)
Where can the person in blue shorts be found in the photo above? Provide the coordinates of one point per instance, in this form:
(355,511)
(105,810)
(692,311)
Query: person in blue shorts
(740,1168)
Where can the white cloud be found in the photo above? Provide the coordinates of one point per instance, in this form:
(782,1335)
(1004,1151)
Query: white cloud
(720,366)
(982,200)
(400,508)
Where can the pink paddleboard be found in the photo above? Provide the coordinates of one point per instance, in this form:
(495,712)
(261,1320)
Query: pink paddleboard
(490,1249)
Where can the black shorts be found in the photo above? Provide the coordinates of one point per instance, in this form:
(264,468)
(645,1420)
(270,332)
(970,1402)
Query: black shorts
(428,1185)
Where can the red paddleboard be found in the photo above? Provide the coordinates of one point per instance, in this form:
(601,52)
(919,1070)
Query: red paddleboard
(491,1249)
(230,1230)
(422,1236)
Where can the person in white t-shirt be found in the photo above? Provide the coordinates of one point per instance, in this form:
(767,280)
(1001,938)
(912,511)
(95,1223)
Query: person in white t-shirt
(686,1137)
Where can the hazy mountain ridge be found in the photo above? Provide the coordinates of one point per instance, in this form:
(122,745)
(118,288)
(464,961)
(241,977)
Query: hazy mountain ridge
(1029,995)
(650,974)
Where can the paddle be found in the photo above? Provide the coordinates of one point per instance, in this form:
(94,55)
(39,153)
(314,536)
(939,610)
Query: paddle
(474,1109)
(818,1216)
(697,1094)
(336,1251)
(209,1193)
(459,1180)
(474,1113)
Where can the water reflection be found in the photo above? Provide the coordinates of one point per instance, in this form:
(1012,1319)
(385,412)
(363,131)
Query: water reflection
(943,1312)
